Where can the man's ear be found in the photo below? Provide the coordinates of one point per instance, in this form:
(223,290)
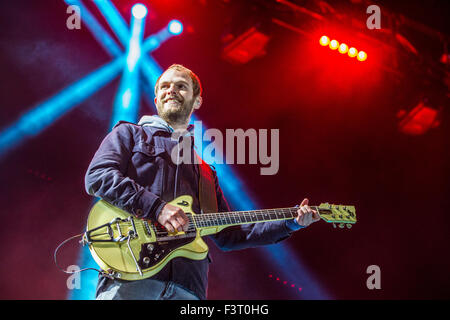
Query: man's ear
(198,102)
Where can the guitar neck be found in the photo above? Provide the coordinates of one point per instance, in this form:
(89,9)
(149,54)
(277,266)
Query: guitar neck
(243,217)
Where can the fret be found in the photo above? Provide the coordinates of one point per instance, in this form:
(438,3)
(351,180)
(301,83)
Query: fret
(209,221)
(272,214)
(223,219)
(219,219)
(244,217)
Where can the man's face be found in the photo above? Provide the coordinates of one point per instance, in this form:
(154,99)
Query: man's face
(175,97)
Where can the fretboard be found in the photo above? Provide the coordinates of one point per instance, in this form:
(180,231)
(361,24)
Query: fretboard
(244,217)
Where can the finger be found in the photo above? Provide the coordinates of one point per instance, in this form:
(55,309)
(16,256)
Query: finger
(301,218)
(176,225)
(183,225)
(169,227)
(316,215)
(183,215)
(181,221)
(300,215)
(305,209)
(304,202)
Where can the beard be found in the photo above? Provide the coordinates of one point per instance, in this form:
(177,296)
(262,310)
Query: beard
(175,112)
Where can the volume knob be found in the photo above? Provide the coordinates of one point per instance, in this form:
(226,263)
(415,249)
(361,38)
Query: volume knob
(150,247)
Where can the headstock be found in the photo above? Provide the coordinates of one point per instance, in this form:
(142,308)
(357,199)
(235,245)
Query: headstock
(342,214)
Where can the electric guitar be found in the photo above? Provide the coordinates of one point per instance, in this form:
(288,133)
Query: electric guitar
(129,248)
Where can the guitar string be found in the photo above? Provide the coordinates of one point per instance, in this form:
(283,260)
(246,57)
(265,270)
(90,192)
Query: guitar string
(239,217)
(236,215)
(220,216)
(228,217)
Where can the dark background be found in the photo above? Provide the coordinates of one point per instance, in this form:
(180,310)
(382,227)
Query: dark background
(339,143)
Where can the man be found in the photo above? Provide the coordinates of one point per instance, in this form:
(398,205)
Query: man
(133,170)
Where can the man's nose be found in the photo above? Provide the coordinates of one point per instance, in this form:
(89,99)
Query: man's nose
(171,88)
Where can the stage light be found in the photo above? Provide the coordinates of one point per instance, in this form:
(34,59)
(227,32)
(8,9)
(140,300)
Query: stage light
(420,119)
(334,44)
(352,52)
(175,27)
(343,48)
(245,46)
(139,11)
(362,56)
(324,41)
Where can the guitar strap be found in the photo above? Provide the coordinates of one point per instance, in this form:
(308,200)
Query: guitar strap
(206,187)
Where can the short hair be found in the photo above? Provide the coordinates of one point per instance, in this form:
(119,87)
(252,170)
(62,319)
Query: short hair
(197,87)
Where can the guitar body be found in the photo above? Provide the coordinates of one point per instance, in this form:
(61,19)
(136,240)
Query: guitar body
(152,246)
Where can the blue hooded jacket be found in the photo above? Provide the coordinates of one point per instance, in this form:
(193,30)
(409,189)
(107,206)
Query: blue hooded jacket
(133,170)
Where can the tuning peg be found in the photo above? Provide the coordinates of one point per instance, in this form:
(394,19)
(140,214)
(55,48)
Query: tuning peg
(349,225)
(334,225)
(341,225)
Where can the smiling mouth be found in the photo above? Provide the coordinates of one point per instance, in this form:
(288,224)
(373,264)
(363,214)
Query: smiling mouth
(172,100)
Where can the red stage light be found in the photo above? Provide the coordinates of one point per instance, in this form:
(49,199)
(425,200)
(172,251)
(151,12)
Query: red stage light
(334,44)
(324,41)
(352,52)
(362,56)
(419,120)
(247,46)
(343,48)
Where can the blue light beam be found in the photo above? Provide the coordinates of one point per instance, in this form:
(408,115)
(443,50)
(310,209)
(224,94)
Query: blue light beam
(150,69)
(42,115)
(99,33)
(126,104)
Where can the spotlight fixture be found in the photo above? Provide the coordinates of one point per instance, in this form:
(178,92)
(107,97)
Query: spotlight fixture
(352,52)
(362,56)
(334,44)
(139,11)
(342,48)
(175,27)
(419,120)
(324,41)
(247,46)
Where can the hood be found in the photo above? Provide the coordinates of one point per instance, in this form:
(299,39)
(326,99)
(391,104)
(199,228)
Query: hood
(158,122)
(155,121)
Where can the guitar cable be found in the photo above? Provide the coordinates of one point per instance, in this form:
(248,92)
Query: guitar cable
(72,272)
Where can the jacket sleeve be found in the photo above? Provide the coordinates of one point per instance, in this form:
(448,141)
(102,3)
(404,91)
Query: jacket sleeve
(105,177)
(247,235)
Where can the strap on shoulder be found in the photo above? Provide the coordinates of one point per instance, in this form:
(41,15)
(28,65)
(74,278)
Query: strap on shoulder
(207,187)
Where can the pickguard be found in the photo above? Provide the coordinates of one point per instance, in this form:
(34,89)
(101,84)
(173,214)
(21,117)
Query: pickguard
(153,253)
